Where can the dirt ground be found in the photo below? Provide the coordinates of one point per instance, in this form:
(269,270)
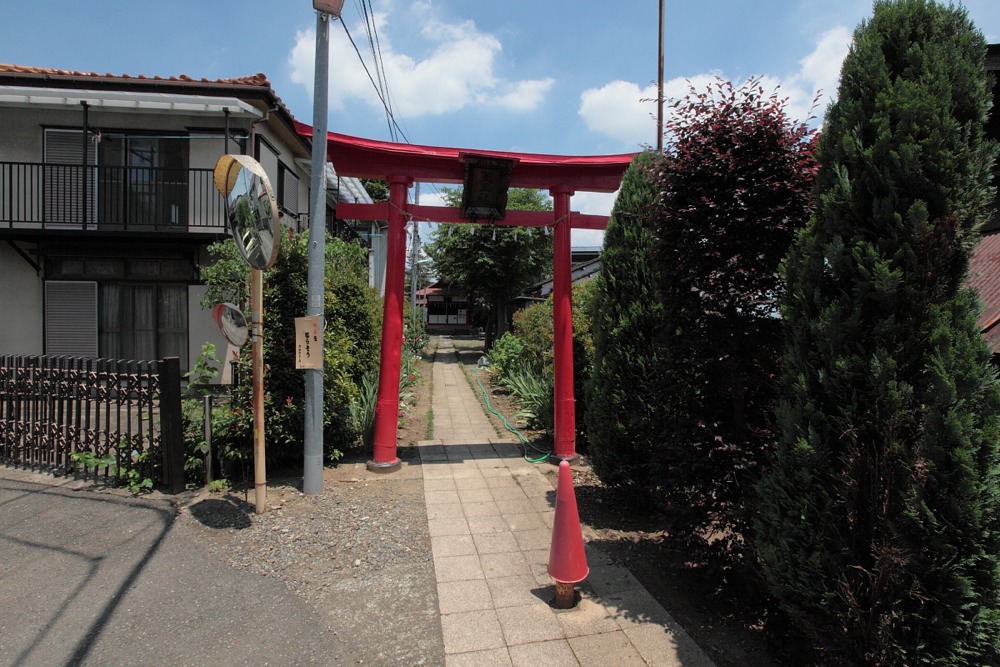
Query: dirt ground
(360,547)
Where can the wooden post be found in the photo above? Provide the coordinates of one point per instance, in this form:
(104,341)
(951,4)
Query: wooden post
(257,353)
(171,436)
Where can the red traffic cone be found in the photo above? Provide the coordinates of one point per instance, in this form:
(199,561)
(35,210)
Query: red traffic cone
(567,560)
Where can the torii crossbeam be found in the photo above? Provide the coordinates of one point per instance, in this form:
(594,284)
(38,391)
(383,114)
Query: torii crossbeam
(403,164)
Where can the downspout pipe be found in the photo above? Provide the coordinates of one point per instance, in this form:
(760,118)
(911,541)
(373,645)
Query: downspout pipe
(86,173)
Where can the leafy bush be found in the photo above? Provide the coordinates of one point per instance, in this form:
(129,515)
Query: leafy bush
(363,408)
(533,326)
(735,188)
(505,353)
(415,338)
(351,344)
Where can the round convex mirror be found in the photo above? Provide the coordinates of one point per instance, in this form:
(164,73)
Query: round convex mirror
(250,207)
(232,323)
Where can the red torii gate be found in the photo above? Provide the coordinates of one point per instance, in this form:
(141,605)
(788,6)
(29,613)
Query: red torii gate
(403,164)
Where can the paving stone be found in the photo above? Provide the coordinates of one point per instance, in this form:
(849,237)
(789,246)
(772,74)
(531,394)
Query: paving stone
(528,624)
(458,568)
(452,545)
(439,527)
(487,524)
(472,631)
(516,591)
(555,653)
(497,657)
(613,648)
(488,508)
(495,543)
(459,596)
(498,565)
(586,618)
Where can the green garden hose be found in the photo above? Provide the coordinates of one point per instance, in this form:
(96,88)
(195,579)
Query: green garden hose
(543,456)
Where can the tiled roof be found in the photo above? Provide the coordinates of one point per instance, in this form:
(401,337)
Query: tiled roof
(255,86)
(258,79)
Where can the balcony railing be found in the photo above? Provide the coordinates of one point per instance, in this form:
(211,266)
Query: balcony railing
(37,196)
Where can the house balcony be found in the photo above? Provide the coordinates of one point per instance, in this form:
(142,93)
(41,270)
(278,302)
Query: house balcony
(40,200)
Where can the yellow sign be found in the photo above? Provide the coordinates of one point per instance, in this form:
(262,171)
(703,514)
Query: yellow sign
(308,343)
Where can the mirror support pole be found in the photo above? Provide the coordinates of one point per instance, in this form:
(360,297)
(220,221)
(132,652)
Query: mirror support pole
(312,476)
(257,360)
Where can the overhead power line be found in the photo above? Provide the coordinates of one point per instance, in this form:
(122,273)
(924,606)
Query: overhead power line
(380,89)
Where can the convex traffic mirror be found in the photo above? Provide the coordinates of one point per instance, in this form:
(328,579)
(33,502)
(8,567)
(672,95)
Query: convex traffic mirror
(251,208)
(232,323)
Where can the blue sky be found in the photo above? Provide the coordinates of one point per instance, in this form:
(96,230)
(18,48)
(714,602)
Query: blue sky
(544,76)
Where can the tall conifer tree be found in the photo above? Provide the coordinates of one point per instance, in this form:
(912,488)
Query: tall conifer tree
(626,314)
(880,527)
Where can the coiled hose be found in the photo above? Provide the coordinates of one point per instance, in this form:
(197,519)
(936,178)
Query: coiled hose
(525,445)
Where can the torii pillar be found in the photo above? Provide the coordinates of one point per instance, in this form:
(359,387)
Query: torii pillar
(562,327)
(384,458)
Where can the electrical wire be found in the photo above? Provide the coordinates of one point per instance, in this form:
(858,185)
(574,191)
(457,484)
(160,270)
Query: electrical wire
(378,91)
(379,63)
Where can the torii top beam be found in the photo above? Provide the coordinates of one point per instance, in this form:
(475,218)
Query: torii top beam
(369,158)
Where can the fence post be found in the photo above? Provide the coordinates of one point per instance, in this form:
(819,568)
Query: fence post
(171,435)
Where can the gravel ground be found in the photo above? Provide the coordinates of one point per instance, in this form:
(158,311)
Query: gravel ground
(359,551)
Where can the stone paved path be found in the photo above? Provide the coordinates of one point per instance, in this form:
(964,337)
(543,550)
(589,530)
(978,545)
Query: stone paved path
(490,516)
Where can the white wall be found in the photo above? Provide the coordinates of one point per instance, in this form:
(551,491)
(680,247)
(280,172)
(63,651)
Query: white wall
(20,304)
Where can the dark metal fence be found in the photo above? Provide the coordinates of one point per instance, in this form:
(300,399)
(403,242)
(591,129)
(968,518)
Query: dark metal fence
(118,420)
(108,198)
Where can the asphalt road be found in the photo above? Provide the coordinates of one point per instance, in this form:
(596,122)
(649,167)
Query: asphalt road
(100,578)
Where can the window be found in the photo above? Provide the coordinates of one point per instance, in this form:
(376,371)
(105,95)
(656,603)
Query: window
(143,321)
(69,188)
(117,320)
(71,318)
(288,190)
(143,180)
(447,310)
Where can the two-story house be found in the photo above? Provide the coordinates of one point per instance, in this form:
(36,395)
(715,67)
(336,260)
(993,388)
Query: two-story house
(107,205)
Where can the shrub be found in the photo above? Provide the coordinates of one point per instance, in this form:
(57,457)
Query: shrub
(533,326)
(735,187)
(351,343)
(534,392)
(505,353)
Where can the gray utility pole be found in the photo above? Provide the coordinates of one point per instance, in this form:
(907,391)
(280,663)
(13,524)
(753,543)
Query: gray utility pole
(659,84)
(312,476)
(414,255)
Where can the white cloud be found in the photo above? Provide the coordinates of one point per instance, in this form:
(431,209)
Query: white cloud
(525,95)
(594,203)
(626,112)
(586,238)
(618,109)
(457,71)
(821,68)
